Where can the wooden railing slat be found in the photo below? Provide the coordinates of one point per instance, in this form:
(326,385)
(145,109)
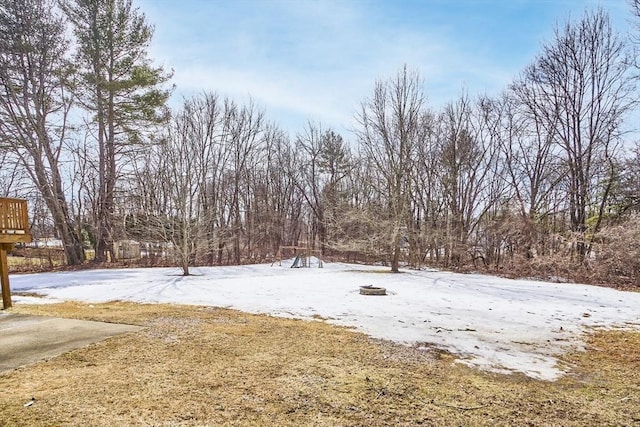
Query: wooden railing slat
(13,216)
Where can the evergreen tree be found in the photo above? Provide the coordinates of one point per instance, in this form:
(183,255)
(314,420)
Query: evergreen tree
(120,88)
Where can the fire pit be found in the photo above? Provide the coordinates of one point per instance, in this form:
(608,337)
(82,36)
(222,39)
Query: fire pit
(372,290)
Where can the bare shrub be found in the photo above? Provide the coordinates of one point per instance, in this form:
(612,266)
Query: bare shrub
(617,252)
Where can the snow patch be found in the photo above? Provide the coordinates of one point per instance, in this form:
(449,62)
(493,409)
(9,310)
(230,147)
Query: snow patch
(492,323)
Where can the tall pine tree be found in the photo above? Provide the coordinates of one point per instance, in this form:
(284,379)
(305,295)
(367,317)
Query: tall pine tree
(121,90)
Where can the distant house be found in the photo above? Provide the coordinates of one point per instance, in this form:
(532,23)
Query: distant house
(45,242)
(127,249)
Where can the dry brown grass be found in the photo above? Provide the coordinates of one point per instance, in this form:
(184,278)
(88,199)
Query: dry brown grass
(199,366)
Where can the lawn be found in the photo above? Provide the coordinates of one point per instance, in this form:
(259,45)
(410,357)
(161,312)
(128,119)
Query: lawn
(204,366)
(271,345)
(492,323)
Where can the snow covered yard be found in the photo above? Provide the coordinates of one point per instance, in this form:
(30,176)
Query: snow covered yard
(493,323)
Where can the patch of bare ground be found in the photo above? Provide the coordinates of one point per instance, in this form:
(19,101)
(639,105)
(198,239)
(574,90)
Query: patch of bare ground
(200,366)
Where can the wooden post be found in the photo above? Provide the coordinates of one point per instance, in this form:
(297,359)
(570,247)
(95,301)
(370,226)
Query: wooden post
(4,275)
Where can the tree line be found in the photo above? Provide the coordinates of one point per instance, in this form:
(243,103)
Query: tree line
(542,179)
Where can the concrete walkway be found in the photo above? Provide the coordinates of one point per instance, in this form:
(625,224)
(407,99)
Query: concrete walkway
(27,339)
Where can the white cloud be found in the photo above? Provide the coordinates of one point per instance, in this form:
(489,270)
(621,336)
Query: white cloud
(268,89)
(318,59)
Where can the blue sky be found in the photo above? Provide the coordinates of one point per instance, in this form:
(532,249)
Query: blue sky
(306,60)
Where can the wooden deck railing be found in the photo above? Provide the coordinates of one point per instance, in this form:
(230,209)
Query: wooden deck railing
(14,228)
(14,221)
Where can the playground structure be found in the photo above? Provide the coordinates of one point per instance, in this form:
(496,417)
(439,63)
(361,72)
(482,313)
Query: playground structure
(302,254)
(14,228)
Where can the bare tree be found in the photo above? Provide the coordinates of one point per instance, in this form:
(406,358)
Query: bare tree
(205,189)
(11,175)
(389,130)
(625,196)
(583,87)
(428,204)
(243,139)
(276,207)
(176,170)
(531,157)
(359,216)
(306,176)
(470,173)
(34,104)
(533,164)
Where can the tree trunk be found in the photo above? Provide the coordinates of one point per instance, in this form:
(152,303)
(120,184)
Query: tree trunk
(395,263)
(54,198)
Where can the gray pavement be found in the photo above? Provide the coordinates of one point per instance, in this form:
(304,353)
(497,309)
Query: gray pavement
(27,339)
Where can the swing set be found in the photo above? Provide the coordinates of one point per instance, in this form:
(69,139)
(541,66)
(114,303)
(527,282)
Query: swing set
(302,254)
